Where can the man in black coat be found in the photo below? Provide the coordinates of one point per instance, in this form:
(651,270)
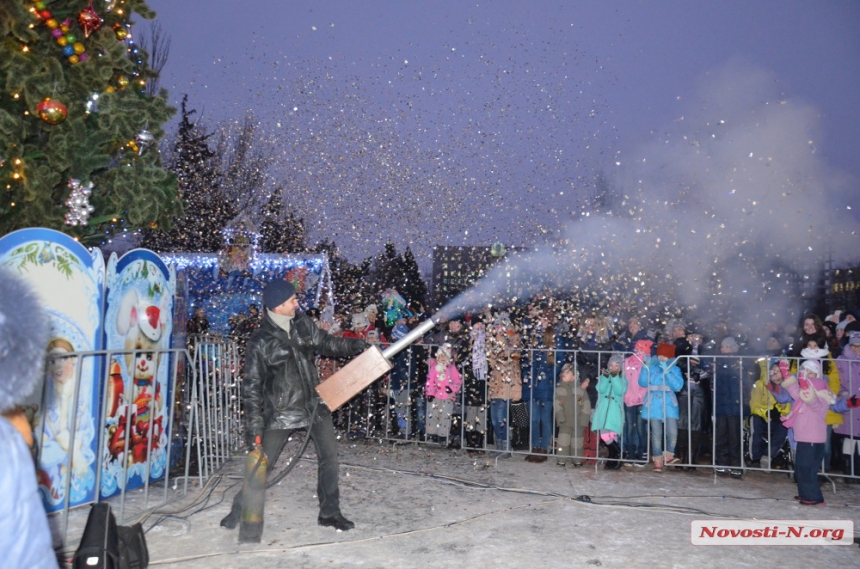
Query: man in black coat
(279,394)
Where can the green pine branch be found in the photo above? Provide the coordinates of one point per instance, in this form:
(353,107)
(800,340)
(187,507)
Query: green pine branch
(38,159)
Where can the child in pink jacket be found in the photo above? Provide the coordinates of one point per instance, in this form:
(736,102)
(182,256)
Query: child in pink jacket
(808,420)
(635,441)
(443,385)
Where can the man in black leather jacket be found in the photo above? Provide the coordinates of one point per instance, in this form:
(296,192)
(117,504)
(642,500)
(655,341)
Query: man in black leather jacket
(279,394)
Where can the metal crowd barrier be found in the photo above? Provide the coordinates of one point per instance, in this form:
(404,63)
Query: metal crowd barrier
(101,360)
(204,418)
(357,418)
(213,405)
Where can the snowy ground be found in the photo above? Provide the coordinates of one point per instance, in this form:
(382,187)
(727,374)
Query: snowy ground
(424,506)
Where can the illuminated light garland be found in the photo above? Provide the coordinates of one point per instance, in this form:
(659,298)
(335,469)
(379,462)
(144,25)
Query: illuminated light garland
(17,171)
(208,285)
(263,262)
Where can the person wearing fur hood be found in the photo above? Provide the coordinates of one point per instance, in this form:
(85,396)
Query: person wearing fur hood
(25,538)
(443,386)
(816,348)
(360,325)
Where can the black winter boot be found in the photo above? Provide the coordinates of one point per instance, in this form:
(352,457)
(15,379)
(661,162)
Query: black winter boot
(613,463)
(231,520)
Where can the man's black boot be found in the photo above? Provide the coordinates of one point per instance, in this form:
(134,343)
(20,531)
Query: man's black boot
(231,520)
(336,521)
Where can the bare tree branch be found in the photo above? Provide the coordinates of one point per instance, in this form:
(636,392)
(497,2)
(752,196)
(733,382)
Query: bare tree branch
(246,160)
(157,45)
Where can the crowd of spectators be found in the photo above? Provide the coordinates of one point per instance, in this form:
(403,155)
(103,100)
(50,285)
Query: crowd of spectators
(553,382)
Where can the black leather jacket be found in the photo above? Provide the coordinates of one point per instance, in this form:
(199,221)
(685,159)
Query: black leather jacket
(281,373)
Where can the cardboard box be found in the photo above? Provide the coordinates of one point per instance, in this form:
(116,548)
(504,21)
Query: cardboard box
(353,378)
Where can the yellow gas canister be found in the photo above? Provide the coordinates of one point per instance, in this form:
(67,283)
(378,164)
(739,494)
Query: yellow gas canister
(253,495)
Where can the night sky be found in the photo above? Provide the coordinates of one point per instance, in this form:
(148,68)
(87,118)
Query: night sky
(433,123)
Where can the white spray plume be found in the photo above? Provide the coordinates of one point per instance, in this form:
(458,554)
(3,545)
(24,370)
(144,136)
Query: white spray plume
(714,217)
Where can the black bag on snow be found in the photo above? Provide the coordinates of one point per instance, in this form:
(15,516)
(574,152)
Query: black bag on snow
(105,545)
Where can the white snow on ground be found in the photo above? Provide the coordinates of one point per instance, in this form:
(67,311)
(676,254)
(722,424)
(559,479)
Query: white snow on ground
(423,506)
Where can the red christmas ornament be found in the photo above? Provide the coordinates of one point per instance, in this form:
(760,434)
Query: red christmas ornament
(52,112)
(89,20)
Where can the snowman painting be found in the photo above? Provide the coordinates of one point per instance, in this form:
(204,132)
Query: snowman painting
(135,423)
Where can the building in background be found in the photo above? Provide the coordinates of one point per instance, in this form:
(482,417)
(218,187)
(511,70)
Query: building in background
(844,290)
(457,268)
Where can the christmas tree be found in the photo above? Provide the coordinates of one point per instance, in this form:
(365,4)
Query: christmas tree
(78,131)
(207,209)
(281,233)
(413,286)
(387,270)
(398,272)
(353,286)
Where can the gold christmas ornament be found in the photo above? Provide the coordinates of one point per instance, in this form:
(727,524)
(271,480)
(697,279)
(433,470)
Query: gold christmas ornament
(52,112)
(120,31)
